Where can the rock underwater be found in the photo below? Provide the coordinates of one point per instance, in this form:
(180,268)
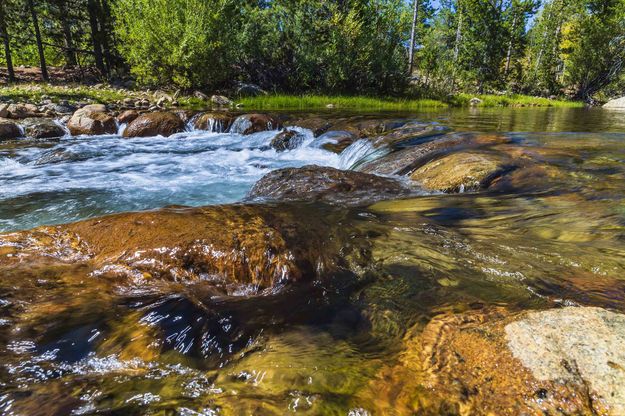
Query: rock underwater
(263,246)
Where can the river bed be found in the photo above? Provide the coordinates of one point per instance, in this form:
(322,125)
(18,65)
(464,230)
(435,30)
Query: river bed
(83,338)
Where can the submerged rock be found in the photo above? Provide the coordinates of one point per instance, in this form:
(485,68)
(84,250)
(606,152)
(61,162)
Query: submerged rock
(459,172)
(316,183)
(575,345)
(260,246)
(9,130)
(287,140)
(91,120)
(254,123)
(58,156)
(559,362)
(155,124)
(214,122)
(42,128)
(407,160)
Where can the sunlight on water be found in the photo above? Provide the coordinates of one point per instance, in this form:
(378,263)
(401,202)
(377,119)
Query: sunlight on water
(171,312)
(76,178)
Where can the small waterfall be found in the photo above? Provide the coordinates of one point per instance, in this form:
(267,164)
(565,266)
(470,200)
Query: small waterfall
(62,125)
(240,124)
(213,125)
(355,153)
(121,128)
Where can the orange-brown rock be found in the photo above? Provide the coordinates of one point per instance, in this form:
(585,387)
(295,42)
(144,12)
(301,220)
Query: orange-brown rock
(215,122)
(407,160)
(254,123)
(462,171)
(257,245)
(127,116)
(91,120)
(155,124)
(462,364)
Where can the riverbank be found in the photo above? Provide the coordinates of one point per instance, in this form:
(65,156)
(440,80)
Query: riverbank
(106,94)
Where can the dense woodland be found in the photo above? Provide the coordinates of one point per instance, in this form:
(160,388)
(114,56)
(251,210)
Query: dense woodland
(573,48)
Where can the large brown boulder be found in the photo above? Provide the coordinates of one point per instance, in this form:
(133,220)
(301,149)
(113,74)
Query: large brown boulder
(155,124)
(254,123)
(42,128)
(92,120)
(406,160)
(9,130)
(459,172)
(214,122)
(316,183)
(230,246)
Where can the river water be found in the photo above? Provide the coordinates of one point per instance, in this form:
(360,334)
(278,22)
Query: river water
(75,344)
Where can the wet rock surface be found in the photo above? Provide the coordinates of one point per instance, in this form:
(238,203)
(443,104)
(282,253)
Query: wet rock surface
(215,122)
(254,123)
(315,183)
(315,124)
(42,128)
(463,171)
(155,124)
(91,120)
(230,245)
(287,140)
(9,130)
(127,116)
(337,141)
(498,362)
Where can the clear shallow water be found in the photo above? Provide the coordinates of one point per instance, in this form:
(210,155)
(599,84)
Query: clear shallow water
(87,344)
(52,182)
(72,178)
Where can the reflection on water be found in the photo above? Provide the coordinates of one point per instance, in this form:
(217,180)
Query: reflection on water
(550,233)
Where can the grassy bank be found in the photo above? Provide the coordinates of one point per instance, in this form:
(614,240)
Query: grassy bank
(303,102)
(513,100)
(107,94)
(285,102)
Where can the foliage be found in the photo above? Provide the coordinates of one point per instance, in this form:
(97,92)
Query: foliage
(566,48)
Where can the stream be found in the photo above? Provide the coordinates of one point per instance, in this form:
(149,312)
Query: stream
(87,332)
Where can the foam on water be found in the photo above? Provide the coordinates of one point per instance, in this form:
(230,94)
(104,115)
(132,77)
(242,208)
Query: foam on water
(74,178)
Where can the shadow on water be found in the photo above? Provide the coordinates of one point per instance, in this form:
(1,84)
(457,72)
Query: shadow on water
(550,233)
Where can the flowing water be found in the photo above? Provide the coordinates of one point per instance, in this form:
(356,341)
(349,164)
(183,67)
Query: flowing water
(74,343)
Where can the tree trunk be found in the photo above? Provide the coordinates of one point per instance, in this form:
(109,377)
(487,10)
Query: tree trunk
(92,7)
(105,12)
(42,57)
(511,45)
(4,33)
(70,54)
(413,34)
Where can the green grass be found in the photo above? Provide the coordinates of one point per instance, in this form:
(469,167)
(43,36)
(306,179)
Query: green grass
(37,92)
(107,94)
(294,102)
(513,100)
(286,102)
